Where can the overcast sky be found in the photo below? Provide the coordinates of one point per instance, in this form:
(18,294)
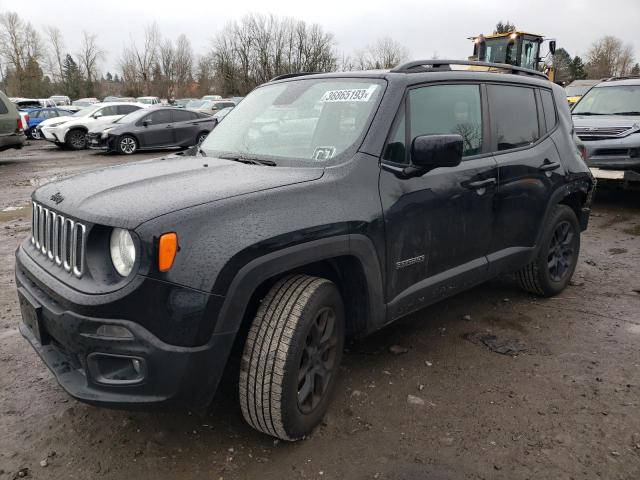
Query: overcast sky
(425,27)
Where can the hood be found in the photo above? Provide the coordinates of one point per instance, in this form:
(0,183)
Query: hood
(49,121)
(128,195)
(606,121)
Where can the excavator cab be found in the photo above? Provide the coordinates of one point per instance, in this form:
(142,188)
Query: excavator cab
(517,48)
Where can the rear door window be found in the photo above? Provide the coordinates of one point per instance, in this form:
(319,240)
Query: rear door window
(514,116)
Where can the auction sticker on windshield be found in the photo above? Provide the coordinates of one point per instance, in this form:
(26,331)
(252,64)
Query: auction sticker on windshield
(349,95)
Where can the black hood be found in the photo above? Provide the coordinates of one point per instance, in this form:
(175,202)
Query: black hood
(128,195)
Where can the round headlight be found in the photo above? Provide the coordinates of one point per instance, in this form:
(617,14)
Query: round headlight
(123,251)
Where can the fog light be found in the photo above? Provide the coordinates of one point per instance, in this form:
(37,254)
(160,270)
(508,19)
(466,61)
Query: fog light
(112,369)
(114,331)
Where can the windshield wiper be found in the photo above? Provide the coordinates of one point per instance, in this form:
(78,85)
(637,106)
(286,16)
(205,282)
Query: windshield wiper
(588,113)
(248,160)
(627,113)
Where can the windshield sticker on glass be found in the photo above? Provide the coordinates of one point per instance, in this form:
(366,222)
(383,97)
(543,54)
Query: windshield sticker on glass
(323,153)
(349,95)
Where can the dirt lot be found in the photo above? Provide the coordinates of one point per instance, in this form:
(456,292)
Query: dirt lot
(567,408)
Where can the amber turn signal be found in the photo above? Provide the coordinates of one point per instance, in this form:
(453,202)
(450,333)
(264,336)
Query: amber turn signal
(167,248)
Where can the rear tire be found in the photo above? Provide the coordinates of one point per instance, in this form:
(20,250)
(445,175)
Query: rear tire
(34,134)
(291,357)
(76,140)
(553,267)
(127,145)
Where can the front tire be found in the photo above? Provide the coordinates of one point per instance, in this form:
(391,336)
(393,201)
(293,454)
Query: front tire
(127,145)
(76,140)
(200,138)
(291,357)
(553,267)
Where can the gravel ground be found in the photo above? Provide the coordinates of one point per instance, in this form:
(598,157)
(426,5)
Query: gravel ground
(426,398)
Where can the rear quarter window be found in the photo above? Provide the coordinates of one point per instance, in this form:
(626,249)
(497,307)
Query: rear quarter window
(549,107)
(3,107)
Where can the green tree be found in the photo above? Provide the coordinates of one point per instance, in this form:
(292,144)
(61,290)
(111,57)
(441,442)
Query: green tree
(72,77)
(504,27)
(109,77)
(577,69)
(636,70)
(562,65)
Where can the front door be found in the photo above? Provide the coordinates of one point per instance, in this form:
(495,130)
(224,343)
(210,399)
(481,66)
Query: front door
(437,226)
(159,131)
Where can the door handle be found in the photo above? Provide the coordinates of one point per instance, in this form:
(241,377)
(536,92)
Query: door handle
(547,166)
(169,126)
(482,183)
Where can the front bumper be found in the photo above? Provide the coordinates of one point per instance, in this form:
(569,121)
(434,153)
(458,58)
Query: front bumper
(615,153)
(96,142)
(52,134)
(69,344)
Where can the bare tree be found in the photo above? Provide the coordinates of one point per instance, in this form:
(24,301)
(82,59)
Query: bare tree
(144,58)
(385,53)
(56,52)
(90,54)
(183,64)
(609,57)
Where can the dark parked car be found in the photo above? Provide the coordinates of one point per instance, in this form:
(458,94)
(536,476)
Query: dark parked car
(607,120)
(147,129)
(369,196)
(11,130)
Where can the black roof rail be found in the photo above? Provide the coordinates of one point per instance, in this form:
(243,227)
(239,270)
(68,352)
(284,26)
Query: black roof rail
(445,65)
(291,75)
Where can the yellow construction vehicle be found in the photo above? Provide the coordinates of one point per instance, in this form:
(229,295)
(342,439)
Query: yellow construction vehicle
(517,48)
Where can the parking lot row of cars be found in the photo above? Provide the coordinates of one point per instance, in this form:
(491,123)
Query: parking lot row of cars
(110,124)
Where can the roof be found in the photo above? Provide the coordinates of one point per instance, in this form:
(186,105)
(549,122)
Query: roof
(616,82)
(501,35)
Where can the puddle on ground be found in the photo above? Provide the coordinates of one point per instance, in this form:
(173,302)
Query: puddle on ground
(14,214)
(634,328)
(617,251)
(635,230)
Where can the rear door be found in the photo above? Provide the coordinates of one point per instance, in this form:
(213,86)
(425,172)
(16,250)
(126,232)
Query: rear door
(529,170)
(437,226)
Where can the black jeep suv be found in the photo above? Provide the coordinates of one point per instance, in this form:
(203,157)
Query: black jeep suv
(324,206)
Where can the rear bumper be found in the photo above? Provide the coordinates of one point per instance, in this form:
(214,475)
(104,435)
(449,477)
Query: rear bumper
(15,140)
(81,359)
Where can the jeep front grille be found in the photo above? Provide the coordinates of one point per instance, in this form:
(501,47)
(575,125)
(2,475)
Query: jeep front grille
(60,239)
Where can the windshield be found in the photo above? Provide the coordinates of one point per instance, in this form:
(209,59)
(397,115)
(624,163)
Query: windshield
(577,91)
(501,50)
(615,100)
(194,103)
(85,112)
(310,120)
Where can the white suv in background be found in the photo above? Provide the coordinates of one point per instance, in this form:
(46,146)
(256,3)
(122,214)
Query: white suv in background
(148,100)
(71,131)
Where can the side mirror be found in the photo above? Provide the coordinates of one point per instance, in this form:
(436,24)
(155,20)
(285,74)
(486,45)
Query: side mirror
(433,151)
(146,123)
(97,115)
(552,46)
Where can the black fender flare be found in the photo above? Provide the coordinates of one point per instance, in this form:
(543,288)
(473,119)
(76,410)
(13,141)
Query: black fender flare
(257,271)
(556,198)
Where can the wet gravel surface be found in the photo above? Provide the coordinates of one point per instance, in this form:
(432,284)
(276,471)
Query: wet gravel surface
(492,383)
